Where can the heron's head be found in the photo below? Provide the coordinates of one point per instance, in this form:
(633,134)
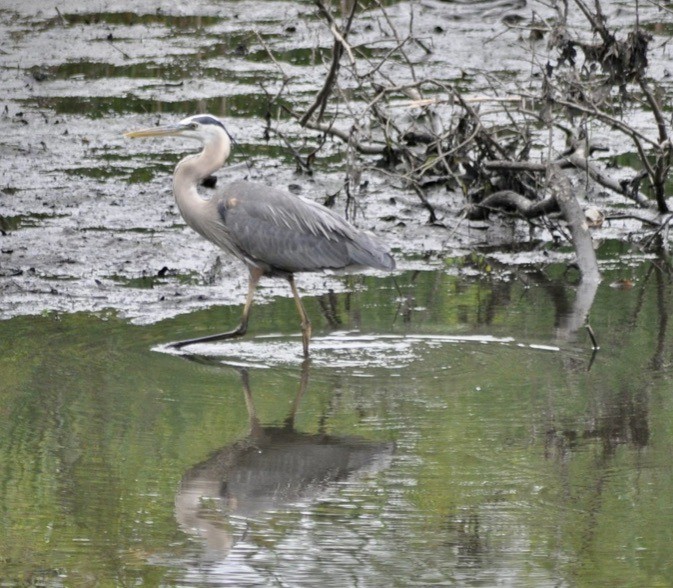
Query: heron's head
(202,127)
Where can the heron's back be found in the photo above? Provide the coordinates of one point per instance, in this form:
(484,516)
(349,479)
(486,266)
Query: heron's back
(282,232)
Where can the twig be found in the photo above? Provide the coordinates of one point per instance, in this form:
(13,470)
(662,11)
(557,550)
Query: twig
(592,336)
(611,120)
(62,18)
(320,101)
(596,24)
(263,43)
(424,200)
(126,55)
(330,129)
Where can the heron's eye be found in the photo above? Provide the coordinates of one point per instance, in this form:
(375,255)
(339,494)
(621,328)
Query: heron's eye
(193,126)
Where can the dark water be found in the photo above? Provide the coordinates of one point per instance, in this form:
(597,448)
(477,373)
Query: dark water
(471,445)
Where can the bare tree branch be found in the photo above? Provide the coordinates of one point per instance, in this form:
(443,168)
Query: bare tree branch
(337,51)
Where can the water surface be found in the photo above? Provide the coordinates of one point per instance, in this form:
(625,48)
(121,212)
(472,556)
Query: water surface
(472,445)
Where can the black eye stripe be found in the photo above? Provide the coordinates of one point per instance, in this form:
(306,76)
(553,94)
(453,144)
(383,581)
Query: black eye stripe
(211,120)
(208,120)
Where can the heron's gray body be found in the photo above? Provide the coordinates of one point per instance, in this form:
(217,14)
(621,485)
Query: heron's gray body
(282,233)
(273,232)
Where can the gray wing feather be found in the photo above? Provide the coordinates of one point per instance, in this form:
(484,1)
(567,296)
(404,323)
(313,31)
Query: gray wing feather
(290,233)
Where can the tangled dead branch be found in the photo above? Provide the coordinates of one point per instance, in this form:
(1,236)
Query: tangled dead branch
(426,133)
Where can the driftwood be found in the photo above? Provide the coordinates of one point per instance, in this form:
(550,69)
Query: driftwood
(577,158)
(561,192)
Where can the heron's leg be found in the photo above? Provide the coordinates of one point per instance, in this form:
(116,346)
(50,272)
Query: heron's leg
(305,321)
(255,275)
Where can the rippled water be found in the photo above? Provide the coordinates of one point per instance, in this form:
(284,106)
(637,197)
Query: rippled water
(465,445)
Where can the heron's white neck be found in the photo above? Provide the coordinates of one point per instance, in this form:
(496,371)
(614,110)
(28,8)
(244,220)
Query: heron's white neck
(191,170)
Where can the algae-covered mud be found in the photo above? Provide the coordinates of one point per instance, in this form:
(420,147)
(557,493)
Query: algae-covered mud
(88,220)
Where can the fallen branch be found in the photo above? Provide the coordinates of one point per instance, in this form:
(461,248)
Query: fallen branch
(561,191)
(514,202)
(578,160)
(581,162)
(560,200)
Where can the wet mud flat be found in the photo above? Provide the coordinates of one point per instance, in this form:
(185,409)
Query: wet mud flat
(88,219)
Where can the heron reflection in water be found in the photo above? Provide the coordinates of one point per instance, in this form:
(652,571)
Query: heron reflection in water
(274,233)
(272,469)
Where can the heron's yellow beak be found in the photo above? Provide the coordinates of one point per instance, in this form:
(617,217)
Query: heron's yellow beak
(156,132)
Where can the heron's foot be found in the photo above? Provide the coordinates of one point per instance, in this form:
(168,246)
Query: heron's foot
(237,332)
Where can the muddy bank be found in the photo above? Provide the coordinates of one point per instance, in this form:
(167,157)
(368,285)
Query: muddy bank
(88,219)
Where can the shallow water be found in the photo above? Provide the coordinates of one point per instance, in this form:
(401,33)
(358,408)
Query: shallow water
(466,440)
(453,426)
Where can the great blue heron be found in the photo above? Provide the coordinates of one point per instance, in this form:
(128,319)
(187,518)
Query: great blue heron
(273,232)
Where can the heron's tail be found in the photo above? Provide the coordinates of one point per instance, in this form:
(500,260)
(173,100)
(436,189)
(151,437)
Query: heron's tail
(369,251)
